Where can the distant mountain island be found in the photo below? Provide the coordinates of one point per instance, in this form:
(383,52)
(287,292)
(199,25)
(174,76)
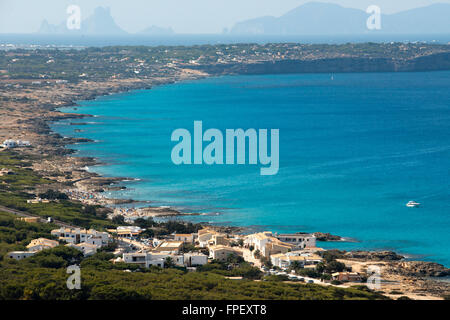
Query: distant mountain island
(99,23)
(313,18)
(316,18)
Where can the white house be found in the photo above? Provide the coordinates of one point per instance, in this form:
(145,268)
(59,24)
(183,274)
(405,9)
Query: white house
(139,258)
(129,231)
(88,249)
(147,259)
(41,244)
(33,247)
(77,235)
(267,244)
(299,240)
(9,144)
(284,260)
(186,238)
(15,143)
(19,255)
(156,263)
(204,236)
(195,259)
(23,143)
(170,246)
(95,240)
(178,259)
(222,253)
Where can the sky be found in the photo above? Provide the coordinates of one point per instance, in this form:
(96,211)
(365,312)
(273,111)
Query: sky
(184,16)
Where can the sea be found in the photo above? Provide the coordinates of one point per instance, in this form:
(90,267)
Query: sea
(354,149)
(36,40)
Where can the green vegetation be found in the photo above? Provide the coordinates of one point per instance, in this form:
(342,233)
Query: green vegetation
(395,292)
(145,62)
(14,193)
(21,177)
(53,195)
(16,234)
(44,277)
(273,277)
(242,269)
(153,228)
(17,188)
(322,270)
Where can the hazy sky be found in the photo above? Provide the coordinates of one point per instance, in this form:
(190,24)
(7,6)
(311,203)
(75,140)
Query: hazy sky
(184,16)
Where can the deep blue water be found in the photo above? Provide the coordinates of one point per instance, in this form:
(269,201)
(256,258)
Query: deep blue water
(353,151)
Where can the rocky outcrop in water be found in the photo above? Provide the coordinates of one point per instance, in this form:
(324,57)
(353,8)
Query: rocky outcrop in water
(373,255)
(320,236)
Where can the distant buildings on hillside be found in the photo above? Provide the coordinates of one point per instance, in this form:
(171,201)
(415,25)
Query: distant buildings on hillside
(10,143)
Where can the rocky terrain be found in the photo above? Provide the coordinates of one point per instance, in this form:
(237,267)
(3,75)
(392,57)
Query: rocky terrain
(373,256)
(419,269)
(320,236)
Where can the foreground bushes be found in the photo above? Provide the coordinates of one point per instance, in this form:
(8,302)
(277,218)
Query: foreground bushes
(43,277)
(50,284)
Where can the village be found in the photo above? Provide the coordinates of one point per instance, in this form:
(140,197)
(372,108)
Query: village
(272,253)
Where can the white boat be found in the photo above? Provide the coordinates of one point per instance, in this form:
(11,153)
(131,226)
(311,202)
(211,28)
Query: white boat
(412,204)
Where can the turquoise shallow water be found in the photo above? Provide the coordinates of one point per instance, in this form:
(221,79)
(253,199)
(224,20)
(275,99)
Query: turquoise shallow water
(353,151)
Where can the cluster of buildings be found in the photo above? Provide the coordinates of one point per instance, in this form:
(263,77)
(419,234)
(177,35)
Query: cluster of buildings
(220,245)
(87,241)
(282,250)
(164,251)
(173,248)
(161,258)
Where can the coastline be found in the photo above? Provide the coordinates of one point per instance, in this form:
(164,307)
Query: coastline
(428,288)
(50,148)
(112,183)
(326,237)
